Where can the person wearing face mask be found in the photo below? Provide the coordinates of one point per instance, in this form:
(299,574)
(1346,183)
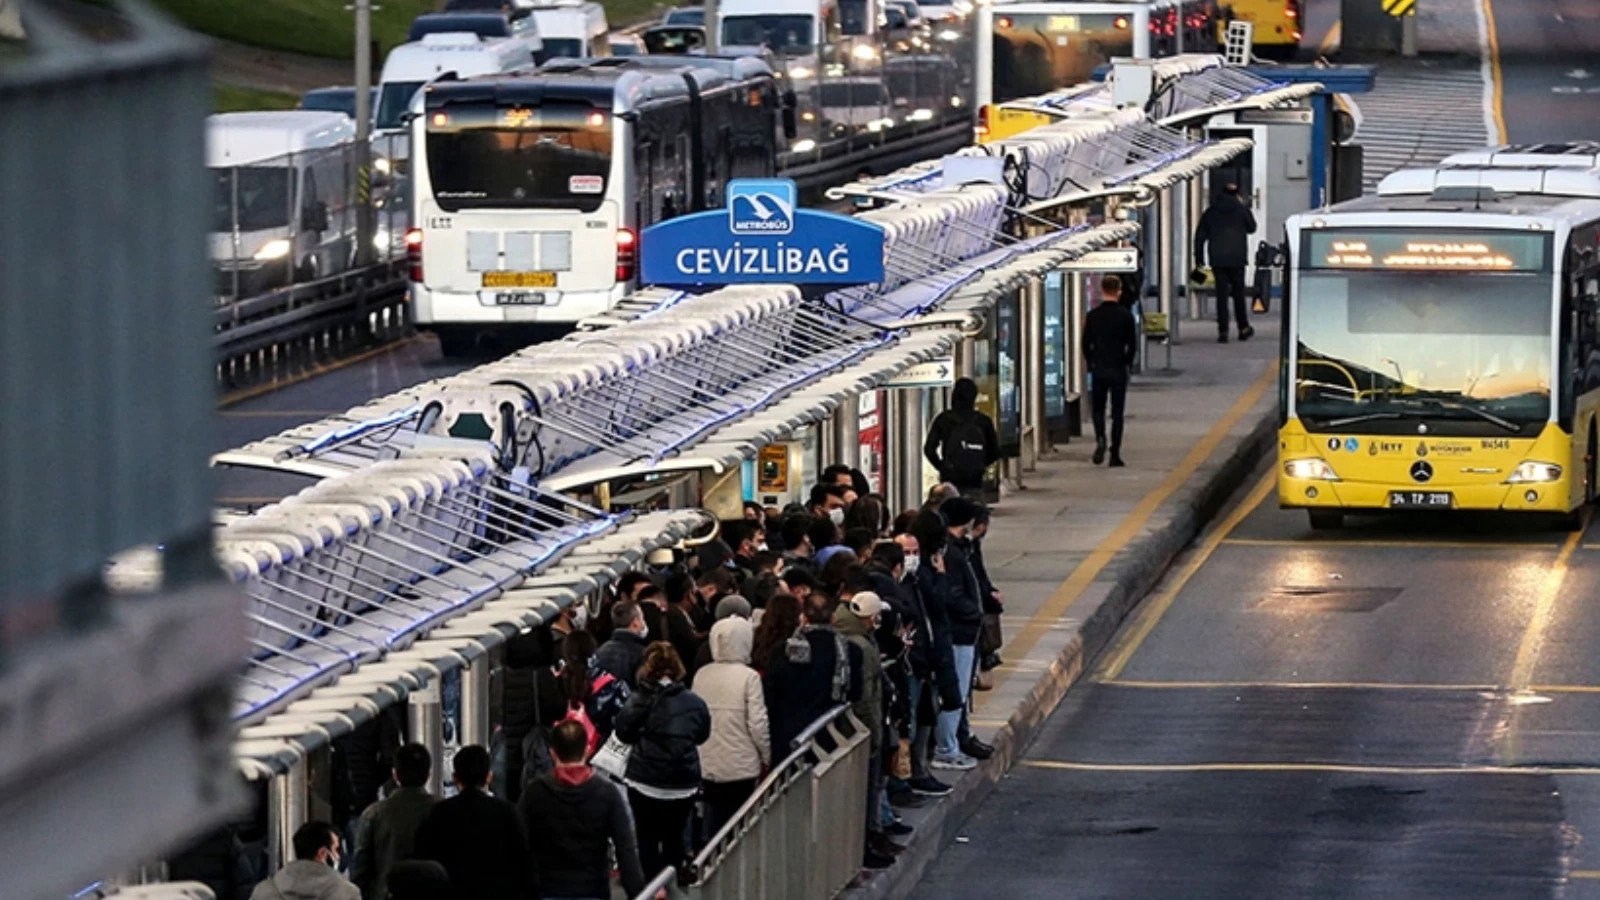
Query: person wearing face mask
(966,625)
(828,501)
(933,586)
(314,873)
(620,656)
(857,620)
(893,570)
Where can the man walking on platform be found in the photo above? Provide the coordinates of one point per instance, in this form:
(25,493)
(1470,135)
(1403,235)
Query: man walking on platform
(1226,226)
(1110,346)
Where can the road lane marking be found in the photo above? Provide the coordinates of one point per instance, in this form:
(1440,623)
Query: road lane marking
(1335,542)
(1065,594)
(1533,638)
(260,390)
(1494,95)
(1331,38)
(1308,685)
(1584,874)
(1564,688)
(1260,767)
(1154,610)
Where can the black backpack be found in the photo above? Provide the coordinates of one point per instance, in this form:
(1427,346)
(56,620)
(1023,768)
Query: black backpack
(963,450)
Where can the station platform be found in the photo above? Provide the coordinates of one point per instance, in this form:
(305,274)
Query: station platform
(1079,546)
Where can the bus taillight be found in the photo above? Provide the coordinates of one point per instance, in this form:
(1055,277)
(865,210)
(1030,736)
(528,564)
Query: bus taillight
(627,253)
(982,128)
(414,254)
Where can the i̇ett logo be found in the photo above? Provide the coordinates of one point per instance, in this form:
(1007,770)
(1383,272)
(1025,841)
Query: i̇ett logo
(761,206)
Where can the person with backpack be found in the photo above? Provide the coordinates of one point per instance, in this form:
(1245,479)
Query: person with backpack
(665,724)
(962,443)
(586,694)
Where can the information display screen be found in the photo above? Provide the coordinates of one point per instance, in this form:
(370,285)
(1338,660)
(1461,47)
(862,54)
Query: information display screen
(1446,250)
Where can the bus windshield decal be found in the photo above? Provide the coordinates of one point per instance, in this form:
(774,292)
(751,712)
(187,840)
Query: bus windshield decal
(1483,251)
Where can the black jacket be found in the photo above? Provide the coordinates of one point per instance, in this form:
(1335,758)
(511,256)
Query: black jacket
(621,656)
(665,725)
(799,684)
(933,587)
(944,424)
(1110,339)
(570,831)
(1226,226)
(386,834)
(479,840)
(985,584)
(966,595)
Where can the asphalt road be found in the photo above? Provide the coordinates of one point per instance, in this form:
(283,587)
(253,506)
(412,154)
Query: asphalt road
(1405,709)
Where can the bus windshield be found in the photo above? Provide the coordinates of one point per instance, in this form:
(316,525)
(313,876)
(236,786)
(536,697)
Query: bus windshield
(1037,53)
(260,201)
(563,48)
(1462,353)
(780,34)
(555,156)
(394,101)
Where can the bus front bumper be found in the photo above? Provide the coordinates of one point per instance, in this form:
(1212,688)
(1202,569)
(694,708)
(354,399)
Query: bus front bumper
(1298,493)
(433,307)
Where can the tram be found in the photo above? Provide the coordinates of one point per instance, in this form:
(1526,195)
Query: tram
(1441,341)
(1278,25)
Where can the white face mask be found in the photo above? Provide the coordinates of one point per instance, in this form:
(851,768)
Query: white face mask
(836,516)
(912,562)
(644,630)
(580,616)
(761,547)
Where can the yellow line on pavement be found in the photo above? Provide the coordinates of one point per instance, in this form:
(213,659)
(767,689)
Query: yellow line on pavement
(1336,542)
(1049,615)
(1331,39)
(1584,875)
(1153,611)
(1496,75)
(1564,688)
(1181,768)
(259,390)
(1309,685)
(1549,591)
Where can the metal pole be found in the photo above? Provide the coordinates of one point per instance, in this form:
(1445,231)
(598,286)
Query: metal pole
(363,73)
(827,444)
(1166,252)
(1408,34)
(1033,387)
(1075,373)
(1183,23)
(1197,204)
(475,726)
(425,721)
(907,443)
(713,29)
(964,356)
(847,432)
(286,802)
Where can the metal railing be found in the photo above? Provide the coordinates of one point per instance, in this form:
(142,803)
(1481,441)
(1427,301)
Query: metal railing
(801,835)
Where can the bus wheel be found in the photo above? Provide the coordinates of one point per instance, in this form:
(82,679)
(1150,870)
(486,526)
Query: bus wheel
(1325,519)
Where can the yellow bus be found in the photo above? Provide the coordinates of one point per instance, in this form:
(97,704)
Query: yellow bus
(1278,28)
(1441,341)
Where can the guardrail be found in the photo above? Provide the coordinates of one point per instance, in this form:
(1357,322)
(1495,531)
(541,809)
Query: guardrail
(800,836)
(261,338)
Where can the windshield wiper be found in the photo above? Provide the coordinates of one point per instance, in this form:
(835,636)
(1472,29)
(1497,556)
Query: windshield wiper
(1366,417)
(1490,417)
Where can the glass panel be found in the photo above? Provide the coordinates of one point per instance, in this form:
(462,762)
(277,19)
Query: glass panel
(556,156)
(1036,53)
(781,34)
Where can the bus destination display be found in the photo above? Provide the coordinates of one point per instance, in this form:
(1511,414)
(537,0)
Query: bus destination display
(1477,251)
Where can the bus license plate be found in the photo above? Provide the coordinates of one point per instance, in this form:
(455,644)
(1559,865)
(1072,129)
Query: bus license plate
(1421,500)
(519,298)
(519,279)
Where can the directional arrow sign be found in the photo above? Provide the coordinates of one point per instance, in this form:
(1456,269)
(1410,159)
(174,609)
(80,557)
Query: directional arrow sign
(934,373)
(1112,260)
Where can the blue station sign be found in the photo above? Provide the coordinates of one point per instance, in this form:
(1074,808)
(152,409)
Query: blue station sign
(761,237)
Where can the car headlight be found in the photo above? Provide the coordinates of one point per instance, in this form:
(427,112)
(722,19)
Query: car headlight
(1535,473)
(803,146)
(381,164)
(865,52)
(380,239)
(277,248)
(1310,469)
(800,72)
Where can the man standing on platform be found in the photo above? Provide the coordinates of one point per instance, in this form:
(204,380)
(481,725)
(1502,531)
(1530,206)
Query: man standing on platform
(1226,226)
(1110,346)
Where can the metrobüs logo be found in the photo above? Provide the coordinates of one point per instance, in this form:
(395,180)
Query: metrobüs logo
(761,206)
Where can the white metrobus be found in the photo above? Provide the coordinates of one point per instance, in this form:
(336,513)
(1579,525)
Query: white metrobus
(530,189)
(1442,341)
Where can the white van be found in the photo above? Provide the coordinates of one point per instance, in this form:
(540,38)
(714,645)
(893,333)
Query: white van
(282,198)
(573,29)
(410,66)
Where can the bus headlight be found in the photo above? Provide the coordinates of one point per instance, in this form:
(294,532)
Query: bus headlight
(1310,469)
(1535,473)
(277,248)
(382,165)
(865,52)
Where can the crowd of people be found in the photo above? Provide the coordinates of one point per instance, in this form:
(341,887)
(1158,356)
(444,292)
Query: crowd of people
(635,730)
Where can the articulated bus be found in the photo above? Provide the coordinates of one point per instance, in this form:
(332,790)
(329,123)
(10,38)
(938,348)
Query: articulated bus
(530,188)
(1278,27)
(1028,49)
(1442,341)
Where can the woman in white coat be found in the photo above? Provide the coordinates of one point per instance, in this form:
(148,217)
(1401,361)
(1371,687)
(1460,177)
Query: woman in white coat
(740,748)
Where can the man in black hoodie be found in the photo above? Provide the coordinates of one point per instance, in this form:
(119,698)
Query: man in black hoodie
(573,820)
(1226,226)
(961,442)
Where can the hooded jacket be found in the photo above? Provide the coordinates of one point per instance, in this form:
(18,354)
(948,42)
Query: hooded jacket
(741,742)
(665,724)
(804,682)
(573,819)
(962,412)
(1226,226)
(869,709)
(306,879)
